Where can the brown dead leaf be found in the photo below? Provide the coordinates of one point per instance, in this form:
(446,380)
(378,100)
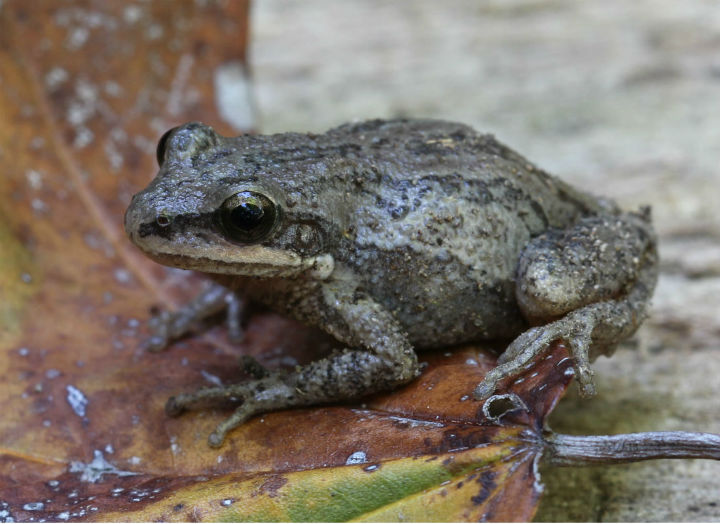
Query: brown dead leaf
(85,90)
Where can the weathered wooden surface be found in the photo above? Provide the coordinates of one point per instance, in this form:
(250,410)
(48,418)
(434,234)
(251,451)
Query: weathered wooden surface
(621,98)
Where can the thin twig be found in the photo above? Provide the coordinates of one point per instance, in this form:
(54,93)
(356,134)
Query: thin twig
(588,450)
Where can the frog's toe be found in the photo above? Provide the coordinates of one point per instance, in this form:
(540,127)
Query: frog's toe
(203,398)
(159,327)
(252,367)
(239,416)
(579,348)
(485,389)
(174,407)
(533,342)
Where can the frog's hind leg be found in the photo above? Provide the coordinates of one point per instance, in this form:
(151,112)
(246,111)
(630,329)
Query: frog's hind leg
(598,277)
(168,326)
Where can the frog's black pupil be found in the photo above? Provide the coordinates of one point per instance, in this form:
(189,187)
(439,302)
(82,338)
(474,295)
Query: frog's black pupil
(247,216)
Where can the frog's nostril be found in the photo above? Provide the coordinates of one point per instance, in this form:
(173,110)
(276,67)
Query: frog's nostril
(163,219)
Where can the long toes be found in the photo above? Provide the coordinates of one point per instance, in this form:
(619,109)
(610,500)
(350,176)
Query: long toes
(175,406)
(485,389)
(241,414)
(252,367)
(156,343)
(215,439)
(534,340)
(584,377)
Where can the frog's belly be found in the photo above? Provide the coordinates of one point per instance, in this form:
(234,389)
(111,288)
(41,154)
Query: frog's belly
(440,305)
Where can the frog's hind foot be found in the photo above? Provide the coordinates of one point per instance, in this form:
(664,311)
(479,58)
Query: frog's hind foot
(168,326)
(574,329)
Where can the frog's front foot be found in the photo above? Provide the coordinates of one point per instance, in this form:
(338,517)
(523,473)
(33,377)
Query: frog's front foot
(344,375)
(575,329)
(274,391)
(168,326)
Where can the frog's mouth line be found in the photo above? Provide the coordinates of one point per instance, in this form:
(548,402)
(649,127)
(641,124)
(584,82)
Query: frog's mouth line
(253,261)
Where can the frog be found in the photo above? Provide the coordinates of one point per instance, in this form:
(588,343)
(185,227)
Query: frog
(393,236)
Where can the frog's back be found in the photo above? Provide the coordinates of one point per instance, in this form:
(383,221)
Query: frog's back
(440,216)
(408,152)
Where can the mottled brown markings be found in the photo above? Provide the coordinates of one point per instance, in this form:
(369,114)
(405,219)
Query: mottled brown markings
(488,485)
(272,485)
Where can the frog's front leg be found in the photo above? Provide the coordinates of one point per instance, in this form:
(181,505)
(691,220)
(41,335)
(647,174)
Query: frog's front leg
(168,326)
(591,284)
(379,358)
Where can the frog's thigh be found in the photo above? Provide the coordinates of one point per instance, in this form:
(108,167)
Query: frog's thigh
(599,258)
(599,306)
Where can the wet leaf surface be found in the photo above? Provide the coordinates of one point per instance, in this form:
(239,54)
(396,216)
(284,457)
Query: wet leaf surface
(86,88)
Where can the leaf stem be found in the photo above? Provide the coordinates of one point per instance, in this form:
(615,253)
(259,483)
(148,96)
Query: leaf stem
(588,450)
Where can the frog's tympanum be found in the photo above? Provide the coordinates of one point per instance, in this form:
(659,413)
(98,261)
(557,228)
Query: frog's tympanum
(392,236)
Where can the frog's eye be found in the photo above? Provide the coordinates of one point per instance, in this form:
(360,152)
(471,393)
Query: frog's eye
(162,145)
(248,217)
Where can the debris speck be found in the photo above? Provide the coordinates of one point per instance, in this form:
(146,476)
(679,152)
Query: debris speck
(154,32)
(23,352)
(77,38)
(38,205)
(227,502)
(52,373)
(34,506)
(213,379)
(55,78)
(5,515)
(122,275)
(414,423)
(83,137)
(26,277)
(34,178)
(94,470)
(113,89)
(358,457)
(77,400)
(132,14)
(174,446)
